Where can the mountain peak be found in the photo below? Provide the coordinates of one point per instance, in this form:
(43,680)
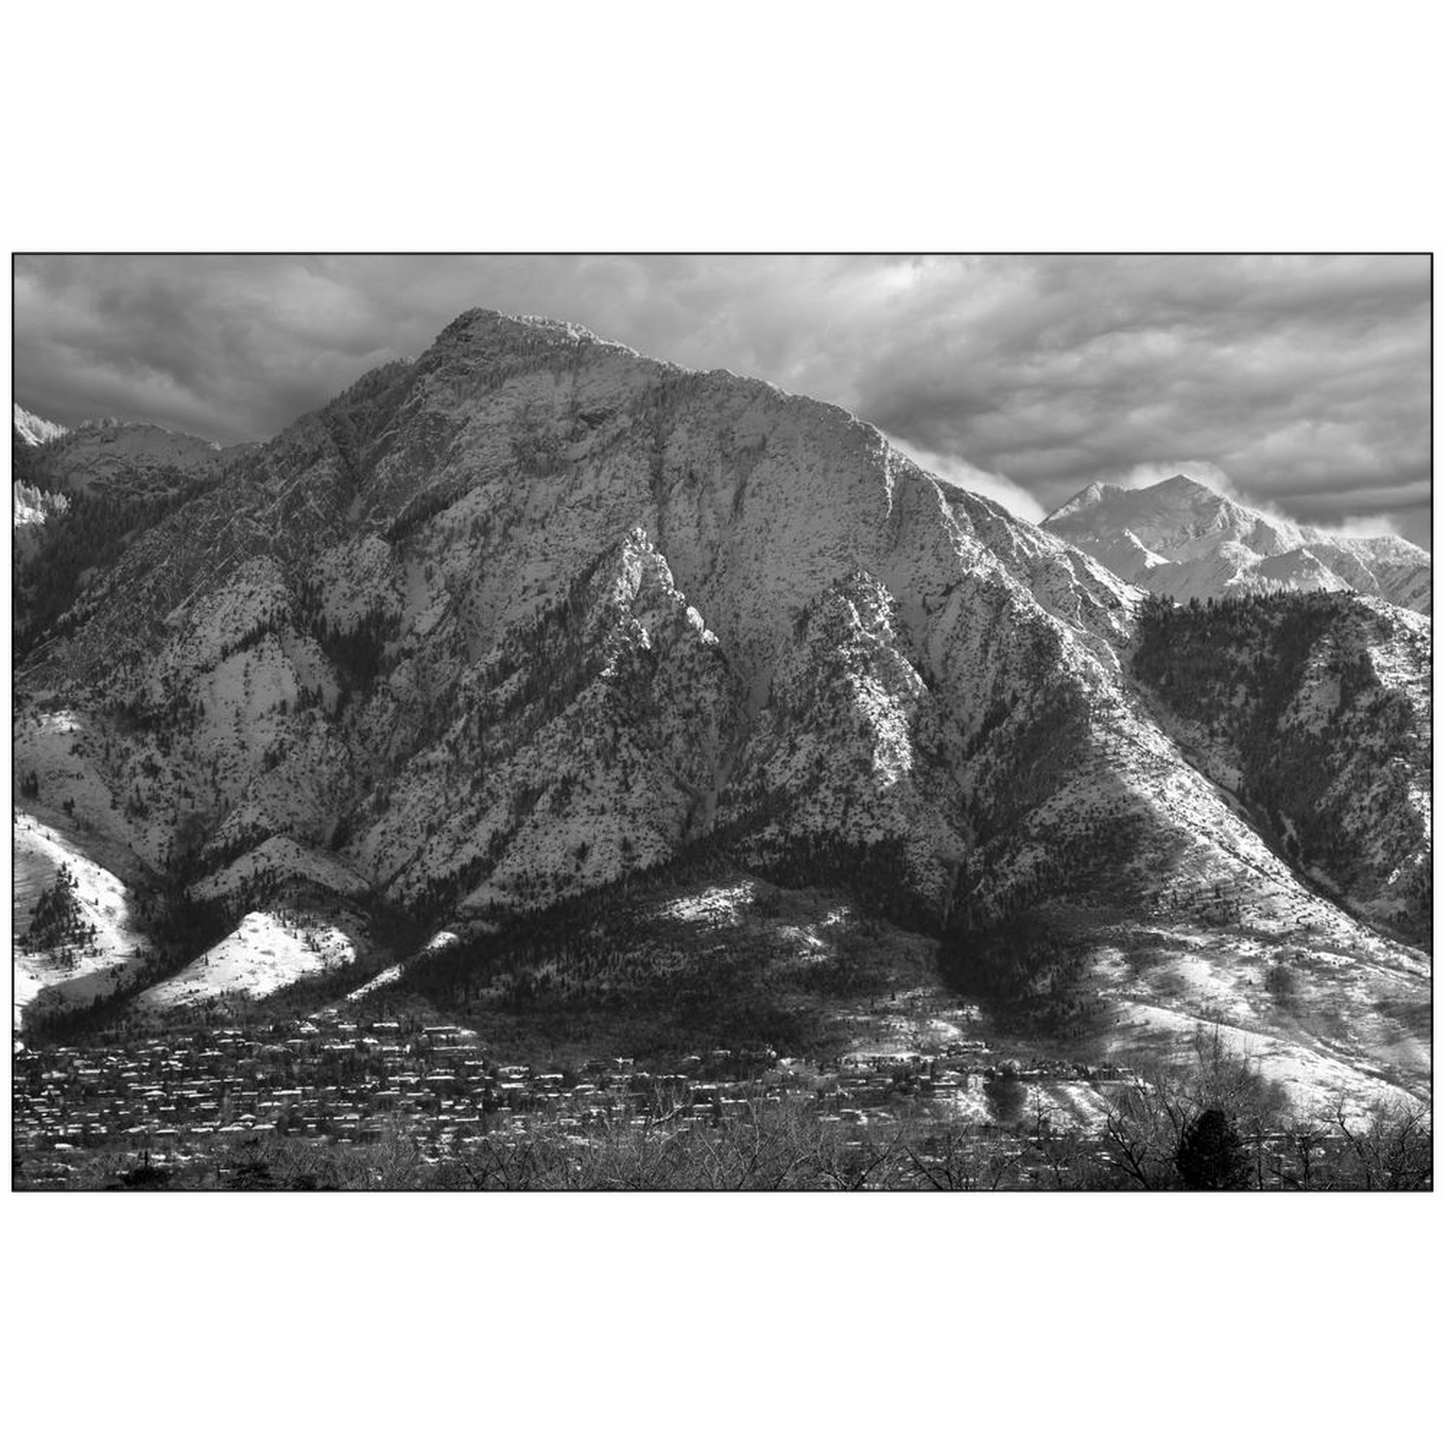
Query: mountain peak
(1095,492)
(1185,487)
(1184,539)
(481,323)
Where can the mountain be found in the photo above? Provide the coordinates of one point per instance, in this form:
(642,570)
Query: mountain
(1183,540)
(32,430)
(534,628)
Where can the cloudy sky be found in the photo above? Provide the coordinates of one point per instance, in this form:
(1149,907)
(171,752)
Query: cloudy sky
(1300,383)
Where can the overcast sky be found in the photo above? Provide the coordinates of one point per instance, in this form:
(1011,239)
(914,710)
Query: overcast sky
(1301,383)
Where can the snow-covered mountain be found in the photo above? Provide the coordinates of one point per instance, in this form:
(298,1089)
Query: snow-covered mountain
(1184,540)
(34,430)
(534,616)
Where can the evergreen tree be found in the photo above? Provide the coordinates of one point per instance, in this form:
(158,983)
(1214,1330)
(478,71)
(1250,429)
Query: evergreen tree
(1211,1155)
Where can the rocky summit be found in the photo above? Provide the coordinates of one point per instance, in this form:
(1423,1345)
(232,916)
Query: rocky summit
(535,628)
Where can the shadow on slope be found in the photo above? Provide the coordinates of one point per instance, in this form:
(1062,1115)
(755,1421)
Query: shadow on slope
(684,961)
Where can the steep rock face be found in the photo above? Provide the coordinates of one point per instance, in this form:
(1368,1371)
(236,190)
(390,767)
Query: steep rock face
(586,744)
(1183,540)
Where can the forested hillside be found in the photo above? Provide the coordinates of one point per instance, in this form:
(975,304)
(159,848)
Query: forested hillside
(1313,709)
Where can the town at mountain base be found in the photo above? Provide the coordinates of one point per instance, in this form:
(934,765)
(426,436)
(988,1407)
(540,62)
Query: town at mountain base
(573,694)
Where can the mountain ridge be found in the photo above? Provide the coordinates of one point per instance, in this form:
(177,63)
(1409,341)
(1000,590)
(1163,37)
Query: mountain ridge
(1183,539)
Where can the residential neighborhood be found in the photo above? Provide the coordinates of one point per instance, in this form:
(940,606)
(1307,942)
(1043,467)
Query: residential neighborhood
(172,1097)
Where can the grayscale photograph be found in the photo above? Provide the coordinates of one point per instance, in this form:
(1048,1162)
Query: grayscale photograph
(709,722)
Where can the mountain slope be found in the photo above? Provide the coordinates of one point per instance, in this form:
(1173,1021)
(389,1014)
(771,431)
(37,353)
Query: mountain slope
(75,937)
(1314,711)
(1183,540)
(32,430)
(82,494)
(133,458)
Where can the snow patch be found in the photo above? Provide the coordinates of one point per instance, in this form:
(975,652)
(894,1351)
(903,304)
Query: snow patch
(264,954)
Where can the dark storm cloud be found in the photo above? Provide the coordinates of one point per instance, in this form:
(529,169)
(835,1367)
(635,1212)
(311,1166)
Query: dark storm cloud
(1304,381)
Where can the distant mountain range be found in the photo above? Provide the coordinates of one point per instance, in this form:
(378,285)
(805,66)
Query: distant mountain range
(1183,540)
(536,624)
